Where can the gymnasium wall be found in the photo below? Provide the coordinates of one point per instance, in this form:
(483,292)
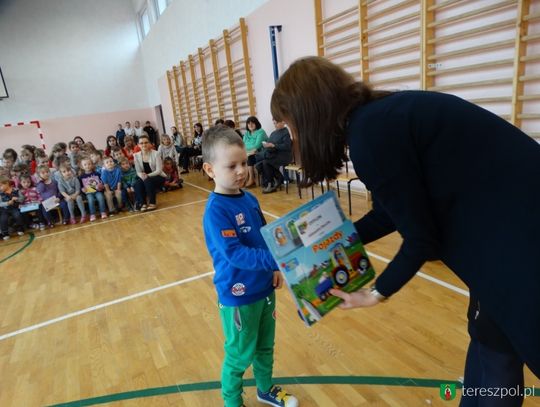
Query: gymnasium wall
(67,62)
(94,128)
(181,29)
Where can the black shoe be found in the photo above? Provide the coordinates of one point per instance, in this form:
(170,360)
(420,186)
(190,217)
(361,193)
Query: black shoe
(184,172)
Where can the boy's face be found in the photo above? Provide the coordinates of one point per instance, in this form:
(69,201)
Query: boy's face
(229,168)
(58,153)
(167,165)
(26,183)
(42,160)
(125,165)
(94,157)
(44,174)
(8,162)
(117,155)
(166,141)
(74,148)
(66,173)
(108,163)
(87,165)
(26,155)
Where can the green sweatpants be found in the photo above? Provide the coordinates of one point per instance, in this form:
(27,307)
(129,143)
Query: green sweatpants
(249,338)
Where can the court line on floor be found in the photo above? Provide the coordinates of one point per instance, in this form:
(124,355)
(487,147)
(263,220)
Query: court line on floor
(155,289)
(26,244)
(301,380)
(104,305)
(109,220)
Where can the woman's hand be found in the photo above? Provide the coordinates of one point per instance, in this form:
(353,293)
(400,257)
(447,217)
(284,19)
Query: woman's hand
(278,280)
(358,299)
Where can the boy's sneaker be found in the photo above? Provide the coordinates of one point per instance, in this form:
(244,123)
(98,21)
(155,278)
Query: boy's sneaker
(5,236)
(20,232)
(83,219)
(72,221)
(103,215)
(277,397)
(92,218)
(41,226)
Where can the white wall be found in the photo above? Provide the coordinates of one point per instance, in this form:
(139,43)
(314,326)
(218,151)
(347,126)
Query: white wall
(64,58)
(185,26)
(297,39)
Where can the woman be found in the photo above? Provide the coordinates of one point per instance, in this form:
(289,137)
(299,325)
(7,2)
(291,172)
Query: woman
(253,138)
(151,177)
(178,139)
(277,152)
(194,150)
(435,165)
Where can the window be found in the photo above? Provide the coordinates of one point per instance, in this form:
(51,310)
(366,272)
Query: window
(145,22)
(161,5)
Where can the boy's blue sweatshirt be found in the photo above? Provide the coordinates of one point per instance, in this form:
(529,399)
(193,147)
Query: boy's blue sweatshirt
(243,264)
(111,177)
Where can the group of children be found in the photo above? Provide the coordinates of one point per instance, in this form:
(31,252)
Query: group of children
(32,183)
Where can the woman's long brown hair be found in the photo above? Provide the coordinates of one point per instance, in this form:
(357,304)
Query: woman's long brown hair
(314,97)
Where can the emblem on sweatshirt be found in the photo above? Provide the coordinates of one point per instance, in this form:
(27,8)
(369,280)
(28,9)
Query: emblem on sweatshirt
(238,289)
(228,233)
(240,219)
(245,229)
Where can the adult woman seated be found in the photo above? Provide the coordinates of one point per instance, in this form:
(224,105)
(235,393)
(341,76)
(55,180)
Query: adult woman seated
(253,138)
(277,152)
(150,174)
(193,150)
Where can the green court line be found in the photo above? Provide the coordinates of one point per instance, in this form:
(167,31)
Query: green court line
(204,386)
(28,243)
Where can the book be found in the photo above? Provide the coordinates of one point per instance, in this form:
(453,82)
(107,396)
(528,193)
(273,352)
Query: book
(317,248)
(50,203)
(29,207)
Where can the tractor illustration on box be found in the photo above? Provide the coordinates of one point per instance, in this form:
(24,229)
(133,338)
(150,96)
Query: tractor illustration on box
(341,273)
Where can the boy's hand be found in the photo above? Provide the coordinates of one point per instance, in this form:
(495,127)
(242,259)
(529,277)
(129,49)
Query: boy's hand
(358,299)
(278,280)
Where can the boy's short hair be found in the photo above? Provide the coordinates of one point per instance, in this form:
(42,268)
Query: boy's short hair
(122,160)
(64,166)
(39,152)
(73,143)
(107,157)
(20,167)
(43,167)
(97,152)
(218,135)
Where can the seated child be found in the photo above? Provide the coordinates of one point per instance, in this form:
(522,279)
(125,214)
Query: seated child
(47,188)
(97,159)
(172,180)
(74,155)
(129,177)
(70,188)
(246,273)
(117,153)
(31,196)
(92,186)
(111,176)
(16,171)
(10,197)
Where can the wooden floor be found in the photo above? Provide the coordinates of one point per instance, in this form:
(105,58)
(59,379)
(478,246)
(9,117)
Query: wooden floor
(68,331)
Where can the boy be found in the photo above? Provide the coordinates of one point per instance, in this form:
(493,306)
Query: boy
(111,176)
(129,178)
(9,206)
(245,278)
